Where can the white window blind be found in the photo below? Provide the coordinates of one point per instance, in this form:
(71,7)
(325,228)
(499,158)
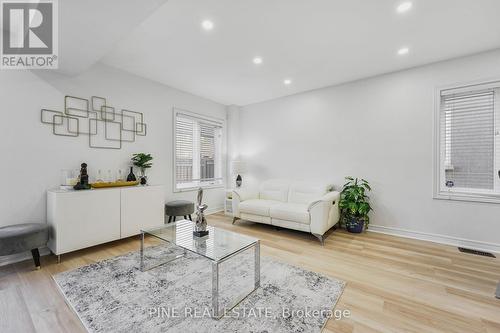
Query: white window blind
(198,151)
(469,140)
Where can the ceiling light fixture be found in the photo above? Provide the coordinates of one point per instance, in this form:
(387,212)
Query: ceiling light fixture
(403,51)
(404,7)
(287,82)
(207,25)
(257,60)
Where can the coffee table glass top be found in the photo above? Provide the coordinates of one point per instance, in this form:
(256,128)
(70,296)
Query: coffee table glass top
(217,245)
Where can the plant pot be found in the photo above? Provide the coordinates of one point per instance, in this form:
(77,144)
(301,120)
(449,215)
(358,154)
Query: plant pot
(355,226)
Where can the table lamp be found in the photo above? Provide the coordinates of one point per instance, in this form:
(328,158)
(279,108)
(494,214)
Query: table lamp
(238,167)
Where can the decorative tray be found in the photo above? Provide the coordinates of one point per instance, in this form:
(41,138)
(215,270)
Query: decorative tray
(114,184)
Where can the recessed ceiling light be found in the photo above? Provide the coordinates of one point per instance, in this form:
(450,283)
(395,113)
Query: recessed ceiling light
(403,51)
(257,60)
(207,25)
(287,82)
(404,7)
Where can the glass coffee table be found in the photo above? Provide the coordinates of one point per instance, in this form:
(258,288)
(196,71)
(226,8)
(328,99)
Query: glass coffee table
(218,246)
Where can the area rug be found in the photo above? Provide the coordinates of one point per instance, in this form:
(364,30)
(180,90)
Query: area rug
(115,296)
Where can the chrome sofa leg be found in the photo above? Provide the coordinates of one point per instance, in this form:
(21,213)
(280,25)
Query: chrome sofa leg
(235,219)
(321,239)
(498,291)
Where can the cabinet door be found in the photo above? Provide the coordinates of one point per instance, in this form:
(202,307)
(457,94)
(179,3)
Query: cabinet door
(86,218)
(141,208)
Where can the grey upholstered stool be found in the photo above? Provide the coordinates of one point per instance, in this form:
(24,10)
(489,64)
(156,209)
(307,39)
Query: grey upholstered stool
(24,237)
(179,208)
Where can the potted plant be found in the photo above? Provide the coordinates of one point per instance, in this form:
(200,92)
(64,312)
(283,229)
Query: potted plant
(143,162)
(354,204)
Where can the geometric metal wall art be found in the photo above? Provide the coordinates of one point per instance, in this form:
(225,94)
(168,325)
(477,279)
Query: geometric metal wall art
(105,127)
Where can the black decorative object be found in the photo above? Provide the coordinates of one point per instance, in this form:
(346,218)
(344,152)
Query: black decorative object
(200,226)
(238,181)
(144,180)
(131,177)
(83,184)
(200,233)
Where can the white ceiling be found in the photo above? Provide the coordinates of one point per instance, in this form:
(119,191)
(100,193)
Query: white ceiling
(89,29)
(316,43)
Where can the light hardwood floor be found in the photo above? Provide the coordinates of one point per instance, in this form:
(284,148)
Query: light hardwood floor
(393,284)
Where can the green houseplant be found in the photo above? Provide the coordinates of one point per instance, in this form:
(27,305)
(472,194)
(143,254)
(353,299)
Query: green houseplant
(354,204)
(143,162)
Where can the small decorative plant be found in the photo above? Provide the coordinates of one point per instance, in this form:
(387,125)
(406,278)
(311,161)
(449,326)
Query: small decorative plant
(354,204)
(143,162)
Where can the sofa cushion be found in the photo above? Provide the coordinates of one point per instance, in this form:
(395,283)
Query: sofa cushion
(257,206)
(274,190)
(256,218)
(291,212)
(305,193)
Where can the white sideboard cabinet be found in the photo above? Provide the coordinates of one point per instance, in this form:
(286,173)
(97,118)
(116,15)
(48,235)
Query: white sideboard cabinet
(80,219)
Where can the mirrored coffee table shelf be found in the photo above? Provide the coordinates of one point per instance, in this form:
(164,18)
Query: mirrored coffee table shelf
(218,246)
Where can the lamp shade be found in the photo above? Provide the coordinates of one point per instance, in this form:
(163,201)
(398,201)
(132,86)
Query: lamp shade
(237,167)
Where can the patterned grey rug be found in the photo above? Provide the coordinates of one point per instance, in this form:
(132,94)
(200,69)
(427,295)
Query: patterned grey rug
(115,296)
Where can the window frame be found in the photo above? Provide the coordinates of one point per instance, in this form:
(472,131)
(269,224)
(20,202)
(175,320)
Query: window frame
(439,158)
(203,118)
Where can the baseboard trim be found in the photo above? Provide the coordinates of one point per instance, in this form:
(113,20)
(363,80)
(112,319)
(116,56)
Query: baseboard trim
(18,257)
(436,238)
(214,210)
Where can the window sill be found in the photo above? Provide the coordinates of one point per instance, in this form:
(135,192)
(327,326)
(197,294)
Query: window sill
(471,197)
(195,188)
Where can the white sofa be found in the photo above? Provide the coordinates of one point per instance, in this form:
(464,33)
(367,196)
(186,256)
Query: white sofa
(293,205)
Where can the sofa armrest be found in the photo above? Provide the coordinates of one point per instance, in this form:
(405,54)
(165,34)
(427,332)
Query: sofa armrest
(245,193)
(239,195)
(325,213)
(332,197)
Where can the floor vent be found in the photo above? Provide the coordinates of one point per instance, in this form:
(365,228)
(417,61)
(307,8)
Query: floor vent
(476,252)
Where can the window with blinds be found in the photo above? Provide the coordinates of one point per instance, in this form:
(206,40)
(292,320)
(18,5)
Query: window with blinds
(469,141)
(197,151)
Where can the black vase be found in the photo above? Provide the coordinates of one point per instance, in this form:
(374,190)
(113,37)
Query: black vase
(131,177)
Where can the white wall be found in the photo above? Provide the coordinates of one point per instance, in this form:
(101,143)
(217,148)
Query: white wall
(32,157)
(380,129)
